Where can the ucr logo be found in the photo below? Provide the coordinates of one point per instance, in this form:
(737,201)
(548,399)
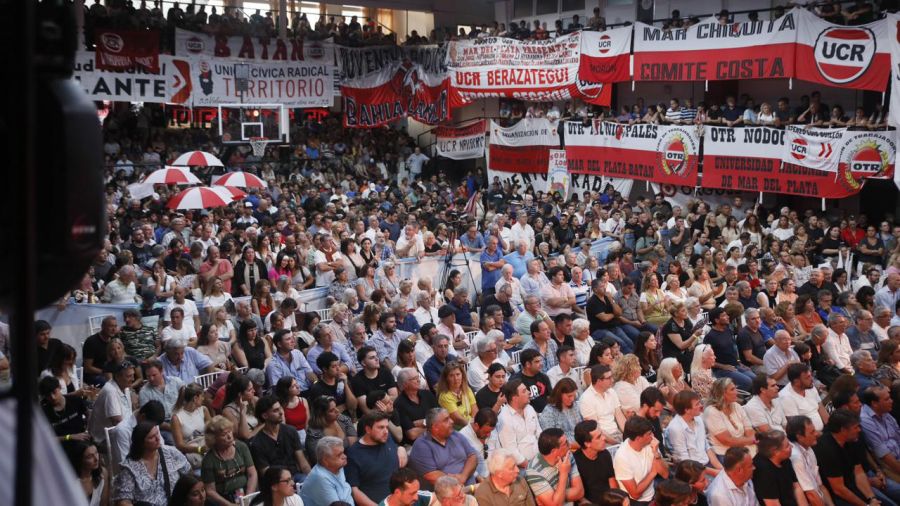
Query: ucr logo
(194,45)
(112,42)
(844,54)
(315,51)
(604,44)
(799,148)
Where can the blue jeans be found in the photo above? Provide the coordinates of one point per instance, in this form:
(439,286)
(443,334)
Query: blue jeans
(617,334)
(890,496)
(632,332)
(742,377)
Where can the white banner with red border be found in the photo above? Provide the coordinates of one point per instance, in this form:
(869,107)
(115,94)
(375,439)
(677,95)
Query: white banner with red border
(295,84)
(523,147)
(813,148)
(606,56)
(460,143)
(246,47)
(172,85)
(893,23)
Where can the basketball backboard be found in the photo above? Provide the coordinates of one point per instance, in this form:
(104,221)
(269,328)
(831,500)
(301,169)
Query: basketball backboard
(240,123)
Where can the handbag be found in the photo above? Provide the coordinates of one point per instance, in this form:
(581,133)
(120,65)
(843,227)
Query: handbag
(168,488)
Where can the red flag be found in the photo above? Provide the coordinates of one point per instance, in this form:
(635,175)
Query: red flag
(128,50)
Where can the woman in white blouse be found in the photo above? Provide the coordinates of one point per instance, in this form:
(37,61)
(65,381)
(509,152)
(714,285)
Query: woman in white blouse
(675,294)
(581,330)
(629,382)
(726,422)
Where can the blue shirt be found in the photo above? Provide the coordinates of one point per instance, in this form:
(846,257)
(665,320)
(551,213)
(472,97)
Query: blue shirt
(723,344)
(519,262)
(322,487)
(317,350)
(477,243)
(427,455)
(433,368)
(386,347)
(550,361)
(191,365)
(369,468)
(409,324)
(463,312)
(393,229)
(490,278)
(882,433)
(767,332)
(298,368)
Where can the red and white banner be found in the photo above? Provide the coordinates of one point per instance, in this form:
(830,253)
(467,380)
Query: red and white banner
(523,147)
(578,183)
(127,50)
(394,93)
(813,148)
(171,85)
(842,56)
(460,143)
(534,70)
(893,23)
(660,153)
(189,43)
(294,84)
(606,56)
(750,159)
(714,51)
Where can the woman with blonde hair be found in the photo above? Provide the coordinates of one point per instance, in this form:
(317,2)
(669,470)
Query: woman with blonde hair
(726,421)
(189,418)
(653,301)
(455,396)
(670,378)
(227,468)
(701,370)
(629,382)
(674,292)
(703,289)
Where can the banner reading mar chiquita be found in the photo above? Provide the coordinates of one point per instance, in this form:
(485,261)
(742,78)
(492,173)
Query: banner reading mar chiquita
(245,47)
(460,143)
(813,148)
(714,51)
(750,159)
(606,56)
(843,56)
(893,23)
(578,183)
(536,70)
(294,84)
(172,85)
(523,147)
(659,153)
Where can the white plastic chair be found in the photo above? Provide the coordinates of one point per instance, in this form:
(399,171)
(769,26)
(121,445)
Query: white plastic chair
(206,380)
(79,373)
(514,357)
(96,322)
(324,315)
(112,452)
(245,501)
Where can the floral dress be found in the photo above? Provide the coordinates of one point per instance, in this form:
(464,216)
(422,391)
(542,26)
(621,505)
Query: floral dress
(133,483)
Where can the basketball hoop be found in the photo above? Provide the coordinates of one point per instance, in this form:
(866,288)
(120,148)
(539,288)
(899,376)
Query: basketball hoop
(258,144)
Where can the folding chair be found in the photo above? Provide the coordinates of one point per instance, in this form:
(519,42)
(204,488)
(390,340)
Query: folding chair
(96,322)
(112,451)
(247,499)
(206,380)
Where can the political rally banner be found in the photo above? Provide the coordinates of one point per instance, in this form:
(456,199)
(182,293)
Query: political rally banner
(523,147)
(578,183)
(750,159)
(813,148)
(127,50)
(606,56)
(172,85)
(683,196)
(394,94)
(294,84)
(460,143)
(666,154)
(246,47)
(356,64)
(534,70)
(714,51)
(855,57)
(893,40)
(558,173)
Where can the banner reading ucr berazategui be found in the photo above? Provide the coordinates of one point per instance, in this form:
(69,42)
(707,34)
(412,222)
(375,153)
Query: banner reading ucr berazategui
(666,154)
(460,143)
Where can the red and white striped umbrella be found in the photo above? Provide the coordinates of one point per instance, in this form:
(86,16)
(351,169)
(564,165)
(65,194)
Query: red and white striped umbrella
(198,159)
(236,193)
(172,175)
(203,197)
(240,180)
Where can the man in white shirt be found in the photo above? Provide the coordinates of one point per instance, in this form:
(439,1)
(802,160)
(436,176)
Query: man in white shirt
(425,312)
(764,409)
(114,403)
(685,435)
(415,162)
(637,462)
(837,344)
(518,428)
(191,313)
(779,357)
(734,486)
(327,259)
(565,368)
(122,290)
(485,349)
(601,404)
(521,232)
(801,398)
(803,437)
(410,243)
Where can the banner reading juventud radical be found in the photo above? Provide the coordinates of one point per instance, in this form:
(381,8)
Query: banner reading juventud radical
(294,84)
(659,153)
(750,159)
(460,143)
(714,51)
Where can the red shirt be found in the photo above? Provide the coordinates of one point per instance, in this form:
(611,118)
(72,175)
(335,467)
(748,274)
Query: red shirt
(852,236)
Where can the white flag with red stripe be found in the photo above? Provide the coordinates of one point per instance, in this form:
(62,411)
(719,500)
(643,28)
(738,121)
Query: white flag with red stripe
(814,148)
(893,24)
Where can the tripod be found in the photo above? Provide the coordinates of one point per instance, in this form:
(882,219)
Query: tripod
(448,266)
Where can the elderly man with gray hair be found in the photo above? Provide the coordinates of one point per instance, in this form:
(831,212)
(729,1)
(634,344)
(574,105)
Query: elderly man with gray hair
(837,344)
(183,362)
(504,487)
(122,290)
(862,335)
(864,364)
(425,311)
(326,483)
(441,451)
(449,492)
(485,349)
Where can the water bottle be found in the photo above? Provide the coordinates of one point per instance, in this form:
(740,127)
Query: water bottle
(238,495)
(340,388)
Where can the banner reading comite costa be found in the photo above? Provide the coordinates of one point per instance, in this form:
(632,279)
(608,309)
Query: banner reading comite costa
(714,51)
(659,153)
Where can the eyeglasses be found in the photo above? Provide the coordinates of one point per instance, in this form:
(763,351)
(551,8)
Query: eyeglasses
(286,480)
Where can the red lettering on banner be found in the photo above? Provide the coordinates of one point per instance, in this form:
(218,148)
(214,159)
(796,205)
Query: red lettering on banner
(280,50)
(468,78)
(222,50)
(247,50)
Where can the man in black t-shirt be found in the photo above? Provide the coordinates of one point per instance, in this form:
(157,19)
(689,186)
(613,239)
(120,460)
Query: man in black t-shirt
(593,461)
(277,444)
(93,351)
(721,338)
(602,312)
(774,477)
(46,345)
(67,414)
(538,383)
(840,468)
(413,404)
(372,377)
(372,459)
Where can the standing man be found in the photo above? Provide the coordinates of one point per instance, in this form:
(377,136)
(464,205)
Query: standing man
(491,263)
(415,162)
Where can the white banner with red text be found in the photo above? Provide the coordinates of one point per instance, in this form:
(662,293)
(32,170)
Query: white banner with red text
(172,85)
(893,22)
(246,47)
(606,56)
(842,56)
(558,173)
(813,148)
(460,143)
(294,84)
(523,147)
(666,154)
(714,51)
(578,183)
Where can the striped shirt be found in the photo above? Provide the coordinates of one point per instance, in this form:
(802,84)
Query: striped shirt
(543,477)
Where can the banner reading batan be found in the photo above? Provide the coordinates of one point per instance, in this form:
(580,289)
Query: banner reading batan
(523,147)
(842,56)
(606,56)
(294,84)
(172,85)
(534,70)
(893,40)
(750,159)
(189,43)
(659,153)
(460,143)
(714,51)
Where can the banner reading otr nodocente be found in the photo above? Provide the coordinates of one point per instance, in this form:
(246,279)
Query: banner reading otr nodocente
(750,159)
(294,84)
(245,47)
(659,153)
(461,143)
(714,51)
(172,85)
(523,147)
